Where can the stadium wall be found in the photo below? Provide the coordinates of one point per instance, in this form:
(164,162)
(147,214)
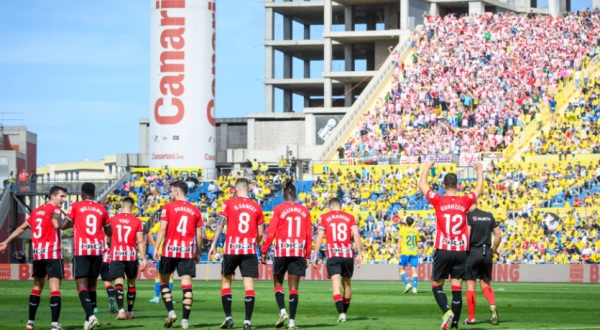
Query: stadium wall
(516,273)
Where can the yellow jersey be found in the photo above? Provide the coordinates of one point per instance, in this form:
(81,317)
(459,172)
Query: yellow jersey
(409,237)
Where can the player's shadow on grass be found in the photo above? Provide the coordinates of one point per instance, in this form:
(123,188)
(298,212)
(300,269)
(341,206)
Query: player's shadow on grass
(304,326)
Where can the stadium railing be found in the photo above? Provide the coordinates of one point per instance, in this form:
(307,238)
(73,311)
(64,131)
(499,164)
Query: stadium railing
(328,148)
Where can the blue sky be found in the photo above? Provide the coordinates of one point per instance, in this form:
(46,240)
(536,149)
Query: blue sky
(77,72)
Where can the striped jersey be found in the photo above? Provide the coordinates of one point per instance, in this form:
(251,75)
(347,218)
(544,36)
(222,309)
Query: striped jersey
(123,243)
(243,218)
(89,218)
(182,219)
(451,218)
(291,228)
(410,238)
(338,233)
(45,239)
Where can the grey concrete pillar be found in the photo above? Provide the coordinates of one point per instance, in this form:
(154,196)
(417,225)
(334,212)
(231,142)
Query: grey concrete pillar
(557,7)
(523,5)
(404,15)
(476,8)
(434,10)
(309,129)
(288,105)
(306,63)
(349,18)
(327,53)
(251,133)
(348,95)
(223,138)
(269,58)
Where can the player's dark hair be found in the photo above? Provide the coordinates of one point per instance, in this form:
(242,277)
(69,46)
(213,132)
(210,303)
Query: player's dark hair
(128,200)
(181,186)
(450,181)
(410,221)
(241,183)
(55,189)
(88,188)
(289,190)
(335,201)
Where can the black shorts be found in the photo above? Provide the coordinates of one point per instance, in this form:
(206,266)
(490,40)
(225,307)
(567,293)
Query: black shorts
(340,266)
(184,266)
(453,263)
(479,267)
(87,266)
(53,268)
(124,269)
(105,272)
(248,264)
(291,265)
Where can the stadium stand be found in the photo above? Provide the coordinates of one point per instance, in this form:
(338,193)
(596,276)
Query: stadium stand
(475,82)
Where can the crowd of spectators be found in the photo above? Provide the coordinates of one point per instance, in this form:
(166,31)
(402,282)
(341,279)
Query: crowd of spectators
(475,82)
(577,131)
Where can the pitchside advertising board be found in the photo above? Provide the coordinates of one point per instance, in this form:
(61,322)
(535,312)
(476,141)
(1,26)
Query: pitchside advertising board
(576,273)
(182,83)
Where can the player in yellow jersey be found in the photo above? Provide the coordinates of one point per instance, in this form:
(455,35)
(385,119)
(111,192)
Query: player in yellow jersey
(151,237)
(409,254)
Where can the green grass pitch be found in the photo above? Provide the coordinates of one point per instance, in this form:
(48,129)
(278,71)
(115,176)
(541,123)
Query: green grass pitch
(375,305)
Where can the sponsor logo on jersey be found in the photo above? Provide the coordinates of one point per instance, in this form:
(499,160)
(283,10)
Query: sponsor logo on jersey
(454,242)
(39,251)
(125,253)
(179,249)
(234,246)
(285,245)
(339,250)
(92,246)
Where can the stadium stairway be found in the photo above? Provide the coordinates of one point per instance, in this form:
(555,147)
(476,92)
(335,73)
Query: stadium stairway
(377,87)
(520,144)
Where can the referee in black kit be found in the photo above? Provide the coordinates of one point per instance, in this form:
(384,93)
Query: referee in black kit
(479,261)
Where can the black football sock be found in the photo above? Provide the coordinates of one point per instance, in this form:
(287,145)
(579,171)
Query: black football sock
(55,304)
(440,297)
(187,300)
(34,302)
(293,303)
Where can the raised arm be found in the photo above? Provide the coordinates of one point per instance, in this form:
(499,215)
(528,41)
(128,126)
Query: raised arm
(22,228)
(423,178)
(479,188)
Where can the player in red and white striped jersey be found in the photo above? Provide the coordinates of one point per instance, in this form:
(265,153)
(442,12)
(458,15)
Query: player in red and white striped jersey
(127,233)
(244,218)
(452,240)
(90,224)
(291,228)
(181,229)
(45,222)
(339,227)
